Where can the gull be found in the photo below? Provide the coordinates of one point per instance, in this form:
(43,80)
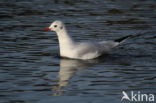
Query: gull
(81,50)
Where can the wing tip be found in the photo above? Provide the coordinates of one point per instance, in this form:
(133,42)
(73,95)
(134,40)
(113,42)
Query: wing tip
(123,38)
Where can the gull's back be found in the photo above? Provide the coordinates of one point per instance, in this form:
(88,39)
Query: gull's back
(90,50)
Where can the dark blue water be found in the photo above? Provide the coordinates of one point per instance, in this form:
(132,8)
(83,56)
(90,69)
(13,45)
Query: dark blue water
(32,72)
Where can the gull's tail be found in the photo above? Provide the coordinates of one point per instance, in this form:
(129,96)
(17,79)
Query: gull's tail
(120,40)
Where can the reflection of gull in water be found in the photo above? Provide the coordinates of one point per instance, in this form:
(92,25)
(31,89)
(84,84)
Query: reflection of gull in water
(69,67)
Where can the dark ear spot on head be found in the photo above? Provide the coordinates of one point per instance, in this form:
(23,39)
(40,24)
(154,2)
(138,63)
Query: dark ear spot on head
(61,27)
(55,26)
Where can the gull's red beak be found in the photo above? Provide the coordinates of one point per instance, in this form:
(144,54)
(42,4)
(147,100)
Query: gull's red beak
(47,29)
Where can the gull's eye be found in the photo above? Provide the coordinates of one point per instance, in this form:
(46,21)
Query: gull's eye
(55,26)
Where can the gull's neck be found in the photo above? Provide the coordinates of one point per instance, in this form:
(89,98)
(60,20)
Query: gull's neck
(65,40)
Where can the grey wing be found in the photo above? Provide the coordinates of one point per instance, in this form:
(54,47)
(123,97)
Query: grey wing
(107,46)
(88,48)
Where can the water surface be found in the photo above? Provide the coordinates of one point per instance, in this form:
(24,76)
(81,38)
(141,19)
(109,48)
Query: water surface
(32,72)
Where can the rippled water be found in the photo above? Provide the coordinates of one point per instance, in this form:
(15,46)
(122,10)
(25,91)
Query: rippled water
(32,72)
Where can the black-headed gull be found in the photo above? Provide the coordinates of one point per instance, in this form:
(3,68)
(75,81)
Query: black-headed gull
(80,50)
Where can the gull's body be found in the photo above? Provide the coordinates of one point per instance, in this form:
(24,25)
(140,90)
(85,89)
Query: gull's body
(80,50)
(85,50)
